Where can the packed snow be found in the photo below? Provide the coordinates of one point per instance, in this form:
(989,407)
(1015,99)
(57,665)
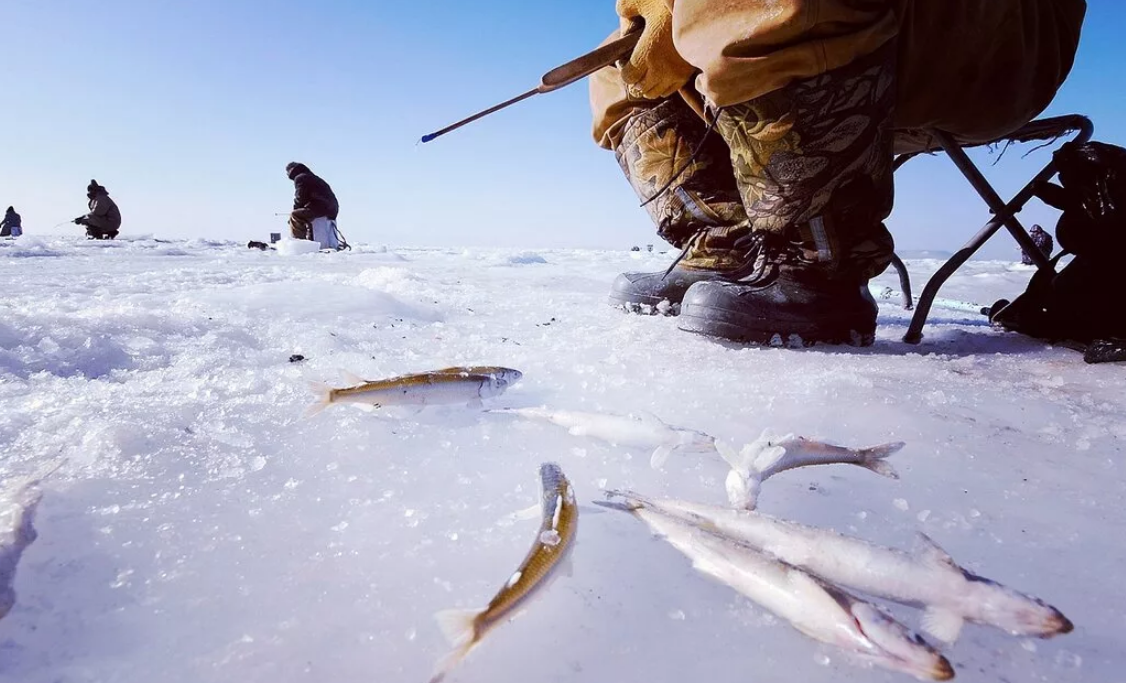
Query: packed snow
(200,529)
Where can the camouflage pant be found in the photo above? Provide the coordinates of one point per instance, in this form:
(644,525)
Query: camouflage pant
(809,93)
(811,161)
(301,224)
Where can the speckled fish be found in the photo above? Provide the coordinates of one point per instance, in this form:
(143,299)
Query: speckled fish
(446,386)
(820,611)
(930,579)
(635,431)
(771,454)
(18,505)
(466,628)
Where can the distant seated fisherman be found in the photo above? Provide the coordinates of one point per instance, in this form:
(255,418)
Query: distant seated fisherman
(314,207)
(104,219)
(10,226)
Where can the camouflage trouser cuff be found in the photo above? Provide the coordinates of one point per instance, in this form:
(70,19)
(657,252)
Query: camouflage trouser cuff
(813,161)
(685,179)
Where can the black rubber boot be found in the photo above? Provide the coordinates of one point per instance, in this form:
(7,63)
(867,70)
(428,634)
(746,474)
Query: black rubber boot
(656,293)
(784,301)
(813,163)
(788,311)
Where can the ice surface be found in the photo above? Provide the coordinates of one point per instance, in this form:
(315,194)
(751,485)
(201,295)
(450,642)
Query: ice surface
(203,531)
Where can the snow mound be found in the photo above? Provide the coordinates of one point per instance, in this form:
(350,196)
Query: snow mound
(26,246)
(525,258)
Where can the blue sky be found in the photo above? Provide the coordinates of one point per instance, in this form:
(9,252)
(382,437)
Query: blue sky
(189,111)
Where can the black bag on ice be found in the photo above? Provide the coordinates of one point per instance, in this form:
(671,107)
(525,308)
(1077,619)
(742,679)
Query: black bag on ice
(1086,301)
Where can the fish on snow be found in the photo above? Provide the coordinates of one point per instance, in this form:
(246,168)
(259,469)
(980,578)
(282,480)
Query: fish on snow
(819,610)
(930,579)
(643,430)
(468,385)
(465,629)
(771,454)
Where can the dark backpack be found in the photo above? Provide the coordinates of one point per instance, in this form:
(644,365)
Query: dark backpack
(1085,302)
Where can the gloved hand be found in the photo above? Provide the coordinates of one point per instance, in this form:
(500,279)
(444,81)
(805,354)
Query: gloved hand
(80,220)
(655,68)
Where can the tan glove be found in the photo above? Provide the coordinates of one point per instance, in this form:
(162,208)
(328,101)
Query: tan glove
(655,68)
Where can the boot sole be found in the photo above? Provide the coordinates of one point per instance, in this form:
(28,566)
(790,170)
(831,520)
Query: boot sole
(716,322)
(645,305)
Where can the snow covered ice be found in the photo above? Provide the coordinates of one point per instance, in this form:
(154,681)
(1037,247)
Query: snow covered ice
(201,530)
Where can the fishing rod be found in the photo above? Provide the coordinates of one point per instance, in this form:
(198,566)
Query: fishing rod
(889,294)
(559,77)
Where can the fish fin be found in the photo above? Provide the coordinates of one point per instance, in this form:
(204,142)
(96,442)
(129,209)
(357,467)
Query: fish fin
(524,515)
(476,404)
(942,624)
(633,501)
(350,377)
(612,505)
(447,663)
(323,399)
(934,554)
(457,625)
(729,455)
(875,459)
(587,510)
(660,457)
(578,430)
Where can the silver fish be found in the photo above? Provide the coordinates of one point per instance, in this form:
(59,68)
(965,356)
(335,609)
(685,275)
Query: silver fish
(449,385)
(816,609)
(633,431)
(770,455)
(930,579)
(466,628)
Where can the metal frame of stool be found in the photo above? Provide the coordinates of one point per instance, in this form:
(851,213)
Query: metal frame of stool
(1004,215)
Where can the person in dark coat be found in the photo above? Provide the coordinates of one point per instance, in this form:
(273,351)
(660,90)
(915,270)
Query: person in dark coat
(313,201)
(11,226)
(104,219)
(1042,240)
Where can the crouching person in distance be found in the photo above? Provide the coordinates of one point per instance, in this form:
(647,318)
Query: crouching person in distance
(314,207)
(780,212)
(11,226)
(104,219)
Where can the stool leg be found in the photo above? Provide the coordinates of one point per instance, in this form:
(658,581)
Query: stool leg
(904,281)
(1004,216)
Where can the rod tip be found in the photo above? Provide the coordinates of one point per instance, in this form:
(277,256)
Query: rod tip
(428,138)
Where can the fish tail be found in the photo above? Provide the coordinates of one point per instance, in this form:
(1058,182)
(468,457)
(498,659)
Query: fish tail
(875,459)
(731,456)
(458,626)
(323,393)
(614,505)
(630,500)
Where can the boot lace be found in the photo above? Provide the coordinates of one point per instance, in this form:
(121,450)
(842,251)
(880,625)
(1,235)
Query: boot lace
(761,255)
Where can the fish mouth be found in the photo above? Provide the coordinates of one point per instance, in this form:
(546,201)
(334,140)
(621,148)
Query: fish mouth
(1059,624)
(939,669)
(942,670)
(918,659)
